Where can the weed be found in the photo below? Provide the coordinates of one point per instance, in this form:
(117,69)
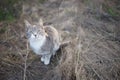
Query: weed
(112,12)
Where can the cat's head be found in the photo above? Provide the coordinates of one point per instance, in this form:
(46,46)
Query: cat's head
(35,31)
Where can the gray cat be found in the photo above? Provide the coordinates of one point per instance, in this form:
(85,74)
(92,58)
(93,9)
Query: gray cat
(44,40)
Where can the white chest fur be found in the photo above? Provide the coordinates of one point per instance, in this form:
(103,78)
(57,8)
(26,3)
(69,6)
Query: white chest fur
(36,44)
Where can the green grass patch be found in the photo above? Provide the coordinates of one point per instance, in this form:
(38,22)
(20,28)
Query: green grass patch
(7,10)
(6,15)
(111,10)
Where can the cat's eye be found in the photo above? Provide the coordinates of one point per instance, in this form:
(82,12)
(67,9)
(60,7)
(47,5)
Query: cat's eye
(31,32)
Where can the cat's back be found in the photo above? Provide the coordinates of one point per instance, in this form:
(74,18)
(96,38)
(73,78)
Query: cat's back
(53,39)
(52,32)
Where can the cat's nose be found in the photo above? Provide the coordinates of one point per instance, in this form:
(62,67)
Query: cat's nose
(35,35)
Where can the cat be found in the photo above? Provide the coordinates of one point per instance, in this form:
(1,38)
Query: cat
(43,40)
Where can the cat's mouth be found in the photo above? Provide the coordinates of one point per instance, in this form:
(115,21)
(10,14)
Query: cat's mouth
(37,37)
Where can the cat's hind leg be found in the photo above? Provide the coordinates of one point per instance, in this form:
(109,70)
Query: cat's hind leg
(47,59)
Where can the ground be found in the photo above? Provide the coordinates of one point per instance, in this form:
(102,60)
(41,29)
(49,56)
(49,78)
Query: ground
(93,26)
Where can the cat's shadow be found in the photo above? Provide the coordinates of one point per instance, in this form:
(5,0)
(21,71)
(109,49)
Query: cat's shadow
(55,59)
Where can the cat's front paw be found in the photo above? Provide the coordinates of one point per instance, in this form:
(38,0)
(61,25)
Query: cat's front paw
(42,59)
(46,62)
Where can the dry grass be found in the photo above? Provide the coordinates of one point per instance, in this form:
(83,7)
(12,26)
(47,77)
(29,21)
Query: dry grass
(93,56)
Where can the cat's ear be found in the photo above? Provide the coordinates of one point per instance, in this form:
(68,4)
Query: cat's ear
(27,24)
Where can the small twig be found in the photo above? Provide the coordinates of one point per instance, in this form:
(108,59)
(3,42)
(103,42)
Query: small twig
(100,77)
(92,44)
(19,52)
(25,62)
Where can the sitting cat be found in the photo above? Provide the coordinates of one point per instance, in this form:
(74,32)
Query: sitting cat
(44,40)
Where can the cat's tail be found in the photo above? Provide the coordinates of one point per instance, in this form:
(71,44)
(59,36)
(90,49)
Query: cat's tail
(64,44)
(67,43)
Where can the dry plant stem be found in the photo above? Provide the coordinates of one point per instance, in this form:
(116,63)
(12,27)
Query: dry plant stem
(77,61)
(92,44)
(25,62)
(19,52)
(100,77)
